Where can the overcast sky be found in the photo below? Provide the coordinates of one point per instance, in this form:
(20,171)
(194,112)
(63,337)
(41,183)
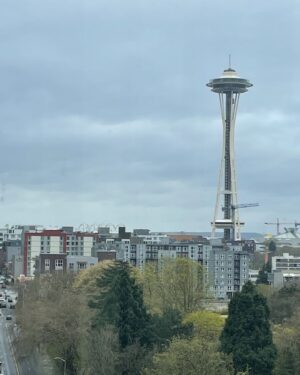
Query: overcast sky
(105,116)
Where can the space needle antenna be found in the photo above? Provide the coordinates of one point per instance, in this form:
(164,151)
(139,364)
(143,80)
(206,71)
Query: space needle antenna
(229,59)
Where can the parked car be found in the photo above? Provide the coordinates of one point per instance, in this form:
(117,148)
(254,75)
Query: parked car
(9,299)
(8,317)
(12,306)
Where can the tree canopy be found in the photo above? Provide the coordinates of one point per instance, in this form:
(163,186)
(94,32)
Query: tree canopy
(174,284)
(120,303)
(247,334)
(190,357)
(263,274)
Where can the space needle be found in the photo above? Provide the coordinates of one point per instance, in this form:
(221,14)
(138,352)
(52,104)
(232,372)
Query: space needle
(229,87)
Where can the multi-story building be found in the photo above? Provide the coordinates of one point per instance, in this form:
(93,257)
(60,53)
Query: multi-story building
(55,241)
(14,232)
(11,248)
(226,265)
(78,263)
(48,263)
(285,269)
(42,242)
(80,243)
(156,238)
(227,268)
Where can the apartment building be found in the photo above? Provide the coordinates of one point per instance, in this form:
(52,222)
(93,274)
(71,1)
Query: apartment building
(285,269)
(47,263)
(226,266)
(14,232)
(227,269)
(55,242)
(42,242)
(78,263)
(80,243)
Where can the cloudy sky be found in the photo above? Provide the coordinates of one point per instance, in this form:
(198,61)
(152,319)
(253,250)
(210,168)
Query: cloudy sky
(105,116)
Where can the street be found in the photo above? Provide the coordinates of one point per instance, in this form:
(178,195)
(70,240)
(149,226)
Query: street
(9,365)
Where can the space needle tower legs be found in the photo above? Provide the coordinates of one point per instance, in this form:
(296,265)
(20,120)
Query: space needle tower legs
(229,87)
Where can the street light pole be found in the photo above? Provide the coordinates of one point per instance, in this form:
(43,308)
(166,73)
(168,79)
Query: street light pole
(65,364)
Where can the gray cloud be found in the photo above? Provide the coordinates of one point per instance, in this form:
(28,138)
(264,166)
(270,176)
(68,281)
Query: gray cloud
(105,115)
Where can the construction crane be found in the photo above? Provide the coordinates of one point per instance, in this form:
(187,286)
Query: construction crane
(237,226)
(278,223)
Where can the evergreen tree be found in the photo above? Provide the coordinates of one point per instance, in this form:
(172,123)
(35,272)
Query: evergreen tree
(272,246)
(120,303)
(263,274)
(247,334)
(168,325)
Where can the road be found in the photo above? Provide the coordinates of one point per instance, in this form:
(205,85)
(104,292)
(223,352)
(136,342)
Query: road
(9,364)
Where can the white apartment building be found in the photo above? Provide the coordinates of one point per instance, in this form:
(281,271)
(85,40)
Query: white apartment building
(285,268)
(13,232)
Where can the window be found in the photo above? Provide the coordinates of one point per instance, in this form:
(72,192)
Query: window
(71,266)
(58,264)
(47,264)
(81,266)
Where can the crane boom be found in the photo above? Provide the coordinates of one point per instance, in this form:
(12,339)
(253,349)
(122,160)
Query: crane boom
(278,223)
(244,205)
(236,226)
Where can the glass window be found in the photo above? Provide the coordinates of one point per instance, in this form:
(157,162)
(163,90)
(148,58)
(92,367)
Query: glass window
(58,264)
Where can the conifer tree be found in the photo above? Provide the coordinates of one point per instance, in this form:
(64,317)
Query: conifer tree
(247,334)
(263,273)
(120,303)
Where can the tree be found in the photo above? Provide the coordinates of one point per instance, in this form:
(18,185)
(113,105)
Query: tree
(247,334)
(284,303)
(120,303)
(176,284)
(50,318)
(86,280)
(190,357)
(169,324)
(102,351)
(272,246)
(288,345)
(263,273)
(207,324)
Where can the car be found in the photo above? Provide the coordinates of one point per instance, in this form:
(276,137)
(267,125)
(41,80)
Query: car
(8,317)
(12,306)
(9,299)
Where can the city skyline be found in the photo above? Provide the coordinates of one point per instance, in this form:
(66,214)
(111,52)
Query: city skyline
(105,116)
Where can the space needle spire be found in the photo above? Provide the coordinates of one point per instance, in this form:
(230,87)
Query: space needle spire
(229,87)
